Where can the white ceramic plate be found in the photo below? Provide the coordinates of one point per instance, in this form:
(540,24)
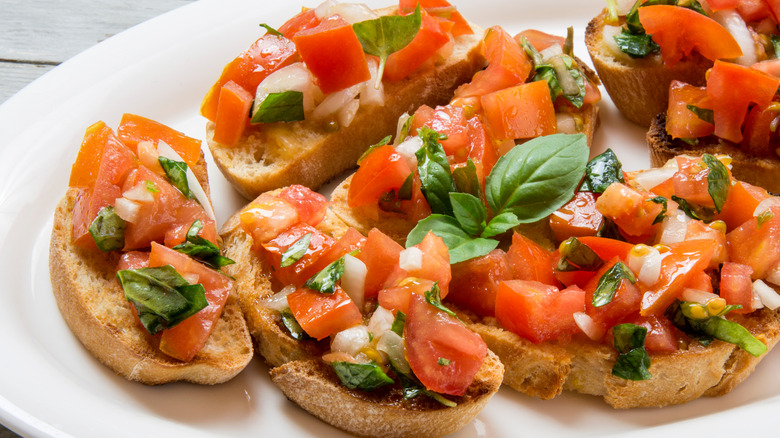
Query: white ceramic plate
(51,386)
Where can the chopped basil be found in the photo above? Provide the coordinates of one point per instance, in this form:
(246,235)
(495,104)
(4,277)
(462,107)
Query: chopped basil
(202,249)
(434,171)
(443,361)
(704,114)
(718,181)
(270,30)
(387,34)
(176,171)
(295,251)
(286,106)
(406,128)
(462,246)
(469,211)
(398,323)
(152,187)
(466,179)
(325,280)
(663,201)
(292,326)
(361,376)
(413,388)
(776,44)
(603,170)
(764,217)
(552,70)
(636,45)
(433,297)
(697,212)
(576,256)
(406,189)
(610,282)
(371,148)
(633,361)
(108,230)
(162,297)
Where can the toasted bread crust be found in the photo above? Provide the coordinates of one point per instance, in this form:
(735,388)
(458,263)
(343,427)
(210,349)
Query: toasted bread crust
(639,87)
(307,153)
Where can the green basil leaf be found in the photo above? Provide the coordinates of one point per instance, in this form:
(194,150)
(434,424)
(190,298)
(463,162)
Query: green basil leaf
(704,114)
(636,45)
(568,45)
(291,324)
(108,230)
(663,201)
(286,106)
(295,251)
(202,249)
(633,361)
(433,297)
(462,246)
(565,65)
(718,181)
(162,297)
(500,224)
(576,256)
(325,280)
(406,128)
(176,171)
(775,44)
(434,171)
(469,211)
(466,179)
(413,388)
(697,212)
(609,283)
(538,177)
(387,34)
(371,148)
(764,217)
(398,323)
(406,190)
(600,172)
(715,327)
(361,376)
(270,30)
(443,361)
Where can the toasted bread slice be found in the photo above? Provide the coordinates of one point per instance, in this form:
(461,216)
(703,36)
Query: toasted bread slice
(309,153)
(639,87)
(93,305)
(760,171)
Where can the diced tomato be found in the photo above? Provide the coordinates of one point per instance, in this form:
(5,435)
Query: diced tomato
(569,278)
(306,19)
(508,65)
(266,217)
(301,270)
(133,260)
(184,340)
(661,335)
(529,261)
(679,31)
(536,311)
(756,246)
(398,297)
(380,255)
(435,265)
(736,286)
(684,261)
(381,171)
(429,39)
(731,88)
(632,211)
(681,122)
(579,217)
(439,8)
(482,151)
(446,120)
(186,214)
(690,181)
(321,315)
(742,200)
(311,206)
(757,133)
(624,303)
(606,248)
(522,111)
(540,40)
(753,10)
(333,54)
(351,241)
(475,282)
(700,280)
(134,129)
(774,9)
(719,5)
(417,208)
(85,169)
(233,111)
(268,54)
(443,353)
(700,230)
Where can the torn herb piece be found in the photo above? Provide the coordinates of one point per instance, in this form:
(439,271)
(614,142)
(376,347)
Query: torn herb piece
(610,282)
(633,361)
(295,251)
(361,376)
(202,249)
(176,172)
(108,230)
(286,106)
(718,181)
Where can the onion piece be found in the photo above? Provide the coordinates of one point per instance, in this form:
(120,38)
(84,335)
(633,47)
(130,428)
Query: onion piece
(733,22)
(372,91)
(768,295)
(352,12)
(347,113)
(351,340)
(608,35)
(766,204)
(408,149)
(588,326)
(697,296)
(381,321)
(126,209)
(393,346)
(191,278)
(334,102)
(774,275)
(278,301)
(354,279)
(410,259)
(566,123)
(139,193)
(674,228)
(197,190)
(650,178)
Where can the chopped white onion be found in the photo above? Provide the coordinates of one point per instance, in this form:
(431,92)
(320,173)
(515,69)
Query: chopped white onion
(354,279)
(352,12)
(294,77)
(551,53)
(757,303)
(410,259)
(566,123)
(647,266)
(372,91)
(191,278)
(139,193)
(608,35)
(586,324)
(126,209)
(347,113)
(334,102)
(697,296)
(197,190)
(565,79)
(674,228)
(381,321)
(650,178)
(351,340)
(401,122)
(393,346)
(408,148)
(767,294)
(278,301)
(733,22)
(766,204)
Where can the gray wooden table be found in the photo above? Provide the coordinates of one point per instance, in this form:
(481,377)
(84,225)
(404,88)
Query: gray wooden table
(36,36)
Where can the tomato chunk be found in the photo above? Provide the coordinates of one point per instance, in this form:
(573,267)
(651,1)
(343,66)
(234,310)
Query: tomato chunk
(681,122)
(430,38)
(579,217)
(634,212)
(522,111)
(311,206)
(233,110)
(624,303)
(529,261)
(381,171)
(742,200)
(134,129)
(736,287)
(434,265)
(756,246)
(439,8)
(508,65)
(380,254)
(475,282)
(321,315)
(301,270)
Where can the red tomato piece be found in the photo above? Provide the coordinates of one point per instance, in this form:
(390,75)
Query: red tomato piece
(679,31)
(579,217)
(444,354)
(624,303)
(333,54)
(306,19)
(540,40)
(700,280)
(84,171)
(719,5)
(134,129)
(690,181)
(381,171)
(398,297)
(233,110)
(446,120)
(311,206)
(133,260)
(753,10)
(631,210)
(757,134)
(380,254)
(321,315)
(439,8)
(522,111)
(429,39)
(537,311)
(529,261)
(475,282)
(352,240)
(736,286)
(681,122)
(700,230)
(756,246)
(606,248)
(661,334)
(482,151)
(435,265)
(742,200)
(301,270)
(266,217)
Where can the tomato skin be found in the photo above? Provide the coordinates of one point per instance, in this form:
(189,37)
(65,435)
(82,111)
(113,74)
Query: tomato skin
(682,122)
(529,261)
(757,247)
(134,129)
(475,282)
(306,19)
(321,315)
(397,298)
(742,200)
(736,287)
(624,303)
(431,335)
(538,312)
(690,181)
(661,335)
(266,217)
(84,171)
(382,170)
(380,254)
(311,206)
(351,241)
(233,110)
(679,31)
(435,265)
(579,217)
(300,271)
(446,120)
(540,40)
(631,210)
(522,111)
(430,38)
(460,25)
(757,133)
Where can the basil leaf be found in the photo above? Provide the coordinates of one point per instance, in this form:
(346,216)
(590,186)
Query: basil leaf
(609,282)
(466,179)
(538,177)
(764,217)
(633,361)
(462,246)
(162,297)
(433,297)
(291,324)
(501,224)
(636,45)
(469,211)
(576,256)
(286,106)
(176,171)
(295,251)
(371,148)
(776,44)
(443,361)
(398,323)
(202,249)
(325,280)
(361,376)
(413,388)
(434,171)
(600,172)
(704,114)
(697,212)
(406,128)
(715,327)
(718,181)
(663,201)
(387,34)
(108,230)
(406,189)
(270,30)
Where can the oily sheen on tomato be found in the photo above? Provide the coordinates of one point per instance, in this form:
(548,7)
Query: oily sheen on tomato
(304,267)
(429,38)
(530,261)
(311,206)
(321,315)
(522,111)
(757,246)
(624,303)
(134,129)
(681,122)
(443,353)
(381,171)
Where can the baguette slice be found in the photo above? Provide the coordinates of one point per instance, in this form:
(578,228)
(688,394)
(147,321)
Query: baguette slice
(760,171)
(308,381)
(310,154)
(93,304)
(639,87)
